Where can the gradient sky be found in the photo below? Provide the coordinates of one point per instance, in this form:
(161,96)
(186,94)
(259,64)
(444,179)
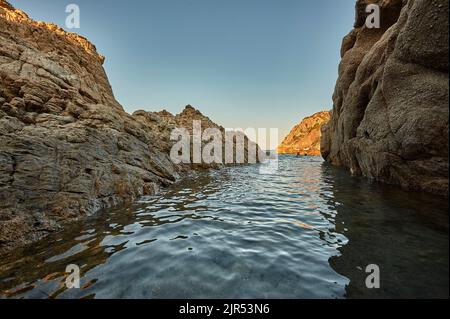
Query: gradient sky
(243,63)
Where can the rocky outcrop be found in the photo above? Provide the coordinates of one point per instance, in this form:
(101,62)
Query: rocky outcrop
(305,137)
(166,122)
(67,147)
(391,102)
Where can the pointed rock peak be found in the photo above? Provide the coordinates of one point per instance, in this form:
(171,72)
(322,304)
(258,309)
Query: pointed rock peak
(190,110)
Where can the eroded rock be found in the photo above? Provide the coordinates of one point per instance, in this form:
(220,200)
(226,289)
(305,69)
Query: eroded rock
(391,102)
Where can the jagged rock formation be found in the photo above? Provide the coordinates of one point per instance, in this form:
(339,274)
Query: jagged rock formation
(165,122)
(67,147)
(391,102)
(305,137)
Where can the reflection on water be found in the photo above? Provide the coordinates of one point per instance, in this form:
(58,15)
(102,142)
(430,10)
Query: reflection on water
(406,234)
(307,231)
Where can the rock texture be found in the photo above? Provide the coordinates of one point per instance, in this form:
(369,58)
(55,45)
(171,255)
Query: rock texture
(391,102)
(305,137)
(67,147)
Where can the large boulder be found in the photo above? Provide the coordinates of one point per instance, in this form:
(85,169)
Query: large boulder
(391,102)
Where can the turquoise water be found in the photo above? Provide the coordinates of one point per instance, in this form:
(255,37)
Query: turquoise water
(306,231)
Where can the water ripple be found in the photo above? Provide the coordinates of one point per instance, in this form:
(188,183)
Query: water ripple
(306,232)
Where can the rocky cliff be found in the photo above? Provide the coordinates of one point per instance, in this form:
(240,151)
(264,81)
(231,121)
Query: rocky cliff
(391,102)
(305,137)
(67,147)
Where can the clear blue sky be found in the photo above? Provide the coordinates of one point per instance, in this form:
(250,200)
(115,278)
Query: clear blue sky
(244,63)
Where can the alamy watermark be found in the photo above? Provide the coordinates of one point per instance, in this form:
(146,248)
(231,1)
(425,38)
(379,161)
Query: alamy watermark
(73,277)
(373,19)
(229,146)
(373,279)
(73,20)
(219,149)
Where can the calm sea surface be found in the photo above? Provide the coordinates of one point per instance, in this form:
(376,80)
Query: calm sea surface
(306,231)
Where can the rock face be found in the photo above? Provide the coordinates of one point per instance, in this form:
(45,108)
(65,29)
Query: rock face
(305,137)
(391,102)
(67,147)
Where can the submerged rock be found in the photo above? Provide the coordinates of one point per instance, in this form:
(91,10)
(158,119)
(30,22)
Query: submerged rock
(391,102)
(304,138)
